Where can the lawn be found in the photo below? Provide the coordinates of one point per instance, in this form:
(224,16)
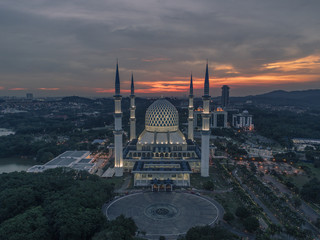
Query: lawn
(300,180)
(118,181)
(214,175)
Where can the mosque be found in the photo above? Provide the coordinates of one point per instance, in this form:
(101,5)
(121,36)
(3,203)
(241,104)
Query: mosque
(161,156)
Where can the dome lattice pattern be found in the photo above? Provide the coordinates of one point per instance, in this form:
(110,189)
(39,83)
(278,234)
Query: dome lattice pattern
(162,116)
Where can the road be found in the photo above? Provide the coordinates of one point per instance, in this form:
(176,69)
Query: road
(257,200)
(307,211)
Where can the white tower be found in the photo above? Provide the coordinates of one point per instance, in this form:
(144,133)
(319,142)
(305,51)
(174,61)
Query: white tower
(190,118)
(132,112)
(118,155)
(205,134)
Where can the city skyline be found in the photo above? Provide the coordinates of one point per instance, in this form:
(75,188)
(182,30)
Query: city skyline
(70,48)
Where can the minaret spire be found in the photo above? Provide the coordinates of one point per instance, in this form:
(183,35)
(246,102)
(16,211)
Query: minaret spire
(117,81)
(205,133)
(118,144)
(191,86)
(132,112)
(206,82)
(132,85)
(190,118)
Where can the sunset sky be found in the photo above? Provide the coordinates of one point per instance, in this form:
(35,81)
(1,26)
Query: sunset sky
(70,47)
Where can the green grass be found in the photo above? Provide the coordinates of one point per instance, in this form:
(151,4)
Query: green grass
(300,180)
(228,200)
(197,181)
(315,171)
(117,181)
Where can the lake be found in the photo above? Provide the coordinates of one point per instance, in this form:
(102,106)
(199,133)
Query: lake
(15,164)
(6,132)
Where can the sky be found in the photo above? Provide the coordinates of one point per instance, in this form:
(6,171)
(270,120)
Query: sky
(70,47)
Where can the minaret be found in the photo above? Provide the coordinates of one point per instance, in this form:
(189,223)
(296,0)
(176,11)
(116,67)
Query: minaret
(190,118)
(132,112)
(205,134)
(118,155)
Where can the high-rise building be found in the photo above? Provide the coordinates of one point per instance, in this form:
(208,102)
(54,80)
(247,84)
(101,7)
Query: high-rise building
(225,96)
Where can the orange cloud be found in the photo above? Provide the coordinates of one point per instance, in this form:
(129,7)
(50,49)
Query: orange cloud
(226,67)
(49,89)
(181,84)
(17,89)
(309,62)
(1,88)
(162,86)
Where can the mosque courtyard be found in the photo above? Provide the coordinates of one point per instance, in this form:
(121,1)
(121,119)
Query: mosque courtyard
(166,213)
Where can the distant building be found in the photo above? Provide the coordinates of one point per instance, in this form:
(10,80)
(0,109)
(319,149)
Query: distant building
(301,143)
(225,96)
(78,160)
(242,120)
(29,96)
(219,118)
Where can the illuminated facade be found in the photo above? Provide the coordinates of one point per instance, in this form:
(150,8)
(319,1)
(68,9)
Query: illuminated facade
(161,155)
(243,120)
(219,118)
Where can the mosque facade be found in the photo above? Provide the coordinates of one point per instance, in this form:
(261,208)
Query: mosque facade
(161,155)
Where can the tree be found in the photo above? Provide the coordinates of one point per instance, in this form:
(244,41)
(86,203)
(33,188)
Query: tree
(242,212)
(228,216)
(274,229)
(121,228)
(56,204)
(311,191)
(297,202)
(251,224)
(30,225)
(253,167)
(209,185)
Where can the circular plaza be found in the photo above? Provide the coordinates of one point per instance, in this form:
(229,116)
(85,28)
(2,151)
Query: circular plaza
(165,213)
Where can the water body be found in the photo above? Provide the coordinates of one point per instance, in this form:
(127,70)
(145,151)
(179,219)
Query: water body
(5,132)
(15,164)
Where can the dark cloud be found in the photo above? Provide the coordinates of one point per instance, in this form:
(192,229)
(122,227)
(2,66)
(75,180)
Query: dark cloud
(72,45)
